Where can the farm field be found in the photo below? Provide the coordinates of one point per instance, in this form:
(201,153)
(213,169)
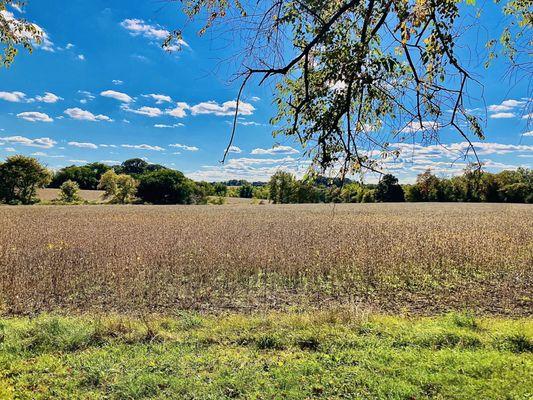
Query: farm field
(87,195)
(415,258)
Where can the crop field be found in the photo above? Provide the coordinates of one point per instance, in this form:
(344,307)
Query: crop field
(53,194)
(409,258)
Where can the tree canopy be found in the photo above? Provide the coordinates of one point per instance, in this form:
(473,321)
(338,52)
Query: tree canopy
(20,177)
(346,71)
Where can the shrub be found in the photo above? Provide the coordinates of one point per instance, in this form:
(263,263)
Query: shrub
(69,192)
(120,188)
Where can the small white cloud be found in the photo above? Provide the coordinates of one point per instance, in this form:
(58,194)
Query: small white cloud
(48,98)
(81,57)
(417,126)
(529,133)
(69,46)
(506,105)
(255,98)
(13,97)
(234,149)
(142,147)
(528,116)
(138,27)
(117,82)
(146,111)
(159,98)
(163,126)
(227,108)
(10,149)
(84,115)
(34,116)
(123,97)
(275,150)
(44,143)
(83,145)
(184,147)
(78,161)
(178,111)
(502,115)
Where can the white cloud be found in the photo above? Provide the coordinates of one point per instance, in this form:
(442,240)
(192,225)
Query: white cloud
(81,57)
(507,109)
(417,126)
(276,150)
(138,27)
(234,149)
(227,108)
(44,143)
(84,115)
(109,145)
(502,115)
(87,96)
(13,97)
(142,147)
(528,116)
(69,46)
(10,150)
(147,111)
(529,133)
(110,162)
(184,147)
(117,82)
(78,161)
(48,98)
(252,169)
(506,105)
(255,98)
(456,150)
(159,98)
(117,96)
(178,111)
(163,126)
(34,116)
(83,145)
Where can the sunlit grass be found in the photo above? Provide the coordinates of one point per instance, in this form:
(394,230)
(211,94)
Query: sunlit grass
(334,354)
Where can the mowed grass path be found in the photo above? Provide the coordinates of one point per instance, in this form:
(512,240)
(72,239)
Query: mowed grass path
(327,355)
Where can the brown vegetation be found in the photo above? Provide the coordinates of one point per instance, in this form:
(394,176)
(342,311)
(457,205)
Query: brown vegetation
(420,258)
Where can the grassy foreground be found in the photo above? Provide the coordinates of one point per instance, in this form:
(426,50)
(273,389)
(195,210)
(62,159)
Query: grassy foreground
(326,355)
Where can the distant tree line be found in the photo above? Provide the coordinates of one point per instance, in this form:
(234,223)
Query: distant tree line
(137,181)
(472,186)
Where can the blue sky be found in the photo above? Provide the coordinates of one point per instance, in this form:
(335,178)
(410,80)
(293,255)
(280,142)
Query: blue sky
(100,88)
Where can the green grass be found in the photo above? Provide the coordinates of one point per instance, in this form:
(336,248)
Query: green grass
(329,355)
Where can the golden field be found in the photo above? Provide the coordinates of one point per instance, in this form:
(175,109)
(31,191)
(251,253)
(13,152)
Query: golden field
(53,194)
(409,258)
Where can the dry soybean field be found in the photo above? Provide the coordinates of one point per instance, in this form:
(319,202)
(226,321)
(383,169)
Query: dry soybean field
(413,258)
